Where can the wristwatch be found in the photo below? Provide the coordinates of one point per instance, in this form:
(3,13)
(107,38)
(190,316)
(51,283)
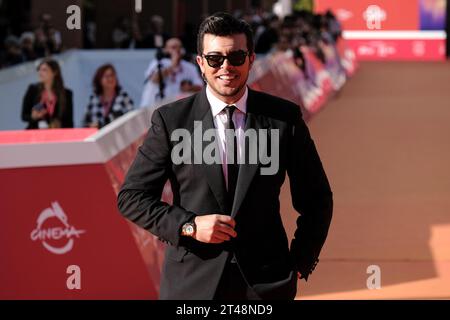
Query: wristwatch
(188,229)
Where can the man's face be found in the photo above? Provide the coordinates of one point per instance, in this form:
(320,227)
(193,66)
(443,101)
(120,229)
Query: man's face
(227,82)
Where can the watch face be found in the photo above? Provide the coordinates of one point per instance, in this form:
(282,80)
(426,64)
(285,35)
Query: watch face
(190,229)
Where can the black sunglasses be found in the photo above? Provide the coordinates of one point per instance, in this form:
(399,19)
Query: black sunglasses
(236,58)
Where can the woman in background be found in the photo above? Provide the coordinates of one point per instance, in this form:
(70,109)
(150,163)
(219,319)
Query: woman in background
(109,101)
(48,104)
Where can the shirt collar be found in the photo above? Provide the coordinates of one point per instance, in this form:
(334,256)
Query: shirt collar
(218,105)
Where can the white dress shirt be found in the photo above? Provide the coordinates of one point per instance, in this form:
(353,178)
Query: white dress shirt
(220,119)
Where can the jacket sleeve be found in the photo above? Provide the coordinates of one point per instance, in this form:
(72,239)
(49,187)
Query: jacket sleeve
(67,117)
(139,199)
(87,119)
(311,197)
(27,104)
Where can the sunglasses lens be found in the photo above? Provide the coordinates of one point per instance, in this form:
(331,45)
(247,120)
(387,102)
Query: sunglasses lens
(215,61)
(237,59)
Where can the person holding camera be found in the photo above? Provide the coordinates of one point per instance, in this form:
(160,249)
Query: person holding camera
(169,76)
(48,104)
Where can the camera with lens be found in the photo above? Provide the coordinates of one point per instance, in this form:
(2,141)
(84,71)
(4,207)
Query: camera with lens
(161,54)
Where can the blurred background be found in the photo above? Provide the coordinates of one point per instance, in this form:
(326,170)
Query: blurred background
(372,79)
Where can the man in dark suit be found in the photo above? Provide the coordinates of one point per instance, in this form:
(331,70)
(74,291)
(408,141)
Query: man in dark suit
(224,231)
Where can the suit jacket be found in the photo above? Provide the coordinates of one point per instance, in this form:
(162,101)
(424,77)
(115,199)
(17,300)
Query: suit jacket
(192,269)
(32,97)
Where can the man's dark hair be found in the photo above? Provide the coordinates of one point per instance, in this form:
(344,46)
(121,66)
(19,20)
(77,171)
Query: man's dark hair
(224,24)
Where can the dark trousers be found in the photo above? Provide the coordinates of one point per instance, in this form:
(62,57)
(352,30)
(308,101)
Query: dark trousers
(232,285)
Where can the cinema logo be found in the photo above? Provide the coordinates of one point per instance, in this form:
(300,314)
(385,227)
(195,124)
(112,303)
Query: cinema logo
(54,231)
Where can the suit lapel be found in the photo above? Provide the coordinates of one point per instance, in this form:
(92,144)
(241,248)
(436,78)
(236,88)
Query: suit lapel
(212,172)
(248,170)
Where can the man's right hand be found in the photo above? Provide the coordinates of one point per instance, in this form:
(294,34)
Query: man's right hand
(214,228)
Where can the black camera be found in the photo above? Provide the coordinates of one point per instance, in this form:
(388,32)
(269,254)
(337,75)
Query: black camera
(160,54)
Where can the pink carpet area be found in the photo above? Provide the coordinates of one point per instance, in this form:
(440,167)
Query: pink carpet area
(385,144)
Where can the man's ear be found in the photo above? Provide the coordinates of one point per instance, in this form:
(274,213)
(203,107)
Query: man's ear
(252,59)
(200,63)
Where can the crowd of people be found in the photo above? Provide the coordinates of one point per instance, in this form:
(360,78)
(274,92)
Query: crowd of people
(48,104)
(172,73)
(43,41)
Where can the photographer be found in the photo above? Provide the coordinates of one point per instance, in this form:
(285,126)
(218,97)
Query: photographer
(170,76)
